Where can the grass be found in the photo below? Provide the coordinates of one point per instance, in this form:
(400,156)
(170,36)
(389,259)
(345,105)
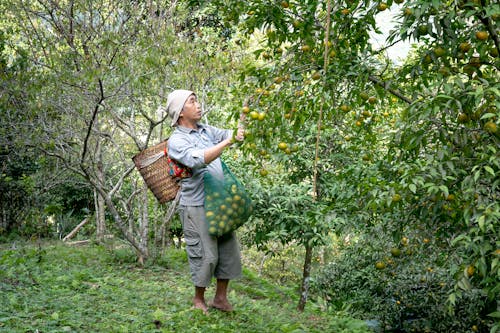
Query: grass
(57,288)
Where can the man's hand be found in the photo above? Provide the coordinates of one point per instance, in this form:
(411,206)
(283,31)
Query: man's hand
(240,134)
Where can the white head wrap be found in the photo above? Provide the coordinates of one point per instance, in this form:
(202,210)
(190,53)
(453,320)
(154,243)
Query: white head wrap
(175,103)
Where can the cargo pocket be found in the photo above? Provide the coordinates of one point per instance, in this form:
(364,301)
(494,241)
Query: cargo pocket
(193,248)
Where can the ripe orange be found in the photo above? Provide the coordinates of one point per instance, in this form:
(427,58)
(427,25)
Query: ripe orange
(246,109)
(382,6)
(254,115)
(470,270)
(305,48)
(482,35)
(491,127)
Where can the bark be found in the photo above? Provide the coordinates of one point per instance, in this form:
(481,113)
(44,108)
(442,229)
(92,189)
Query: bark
(144,223)
(306,275)
(76,229)
(99,200)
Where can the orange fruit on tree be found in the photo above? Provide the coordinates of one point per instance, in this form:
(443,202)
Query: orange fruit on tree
(380,265)
(282,145)
(439,51)
(396,198)
(463,118)
(382,6)
(470,270)
(305,48)
(395,252)
(246,109)
(493,52)
(285,4)
(491,127)
(316,76)
(254,115)
(345,108)
(263,172)
(482,35)
(372,100)
(345,11)
(423,30)
(464,47)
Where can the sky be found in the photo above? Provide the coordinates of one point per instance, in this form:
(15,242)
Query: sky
(385,21)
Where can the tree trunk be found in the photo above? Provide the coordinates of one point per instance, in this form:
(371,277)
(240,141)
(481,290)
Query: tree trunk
(100,205)
(144,223)
(306,274)
(100,211)
(75,230)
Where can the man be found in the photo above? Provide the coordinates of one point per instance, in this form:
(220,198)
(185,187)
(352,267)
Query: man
(199,147)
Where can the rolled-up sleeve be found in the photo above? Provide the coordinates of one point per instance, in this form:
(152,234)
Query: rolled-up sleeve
(220,134)
(181,150)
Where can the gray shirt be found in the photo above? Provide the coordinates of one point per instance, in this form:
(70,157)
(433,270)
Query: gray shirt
(187,146)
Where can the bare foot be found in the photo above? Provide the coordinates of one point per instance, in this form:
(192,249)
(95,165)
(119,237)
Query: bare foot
(200,304)
(222,305)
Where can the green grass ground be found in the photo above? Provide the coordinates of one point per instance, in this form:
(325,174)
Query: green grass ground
(58,288)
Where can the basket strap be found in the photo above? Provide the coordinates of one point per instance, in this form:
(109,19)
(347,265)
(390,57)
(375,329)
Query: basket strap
(173,205)
(151,159)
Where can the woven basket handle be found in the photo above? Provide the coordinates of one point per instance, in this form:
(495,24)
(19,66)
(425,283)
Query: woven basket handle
(151,159)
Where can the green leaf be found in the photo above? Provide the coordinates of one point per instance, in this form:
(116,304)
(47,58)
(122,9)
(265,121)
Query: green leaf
(489,170)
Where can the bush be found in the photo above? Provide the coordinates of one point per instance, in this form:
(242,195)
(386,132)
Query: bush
(404,286)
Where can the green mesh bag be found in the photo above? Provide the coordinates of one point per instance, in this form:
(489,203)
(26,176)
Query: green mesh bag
(227,204)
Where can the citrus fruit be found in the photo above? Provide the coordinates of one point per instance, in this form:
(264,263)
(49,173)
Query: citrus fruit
(395,252)
(482,35)
(490,127)
(282,145)
(396,198)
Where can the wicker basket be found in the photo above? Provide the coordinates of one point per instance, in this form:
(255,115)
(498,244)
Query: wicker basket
(153,166)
